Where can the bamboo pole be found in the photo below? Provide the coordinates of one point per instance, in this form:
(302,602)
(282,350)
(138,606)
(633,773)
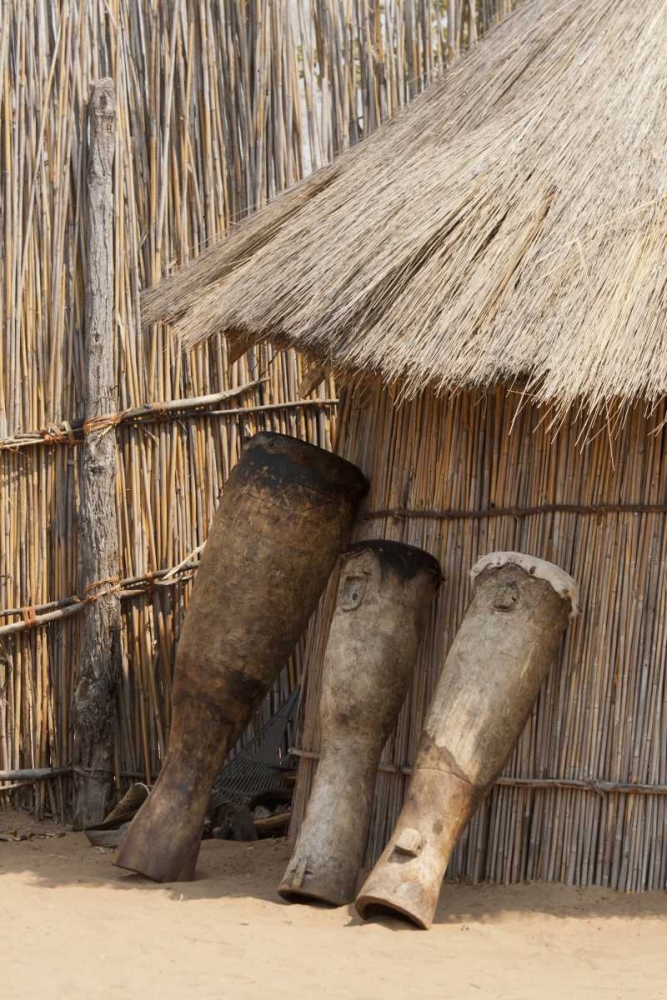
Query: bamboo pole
(100,665)
(72,432)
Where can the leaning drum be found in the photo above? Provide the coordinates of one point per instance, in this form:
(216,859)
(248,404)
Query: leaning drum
(383,599)
(285,516)
(494,670)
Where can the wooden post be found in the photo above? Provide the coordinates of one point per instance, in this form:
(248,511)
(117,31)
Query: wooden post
(99,669)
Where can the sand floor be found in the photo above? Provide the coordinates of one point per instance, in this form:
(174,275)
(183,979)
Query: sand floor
(75,927)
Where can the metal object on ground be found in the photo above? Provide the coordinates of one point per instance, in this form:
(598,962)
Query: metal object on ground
(383,598)
(283,519)
(258,767)
(494,670)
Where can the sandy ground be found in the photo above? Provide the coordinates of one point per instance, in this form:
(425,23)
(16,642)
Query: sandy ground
(75,927)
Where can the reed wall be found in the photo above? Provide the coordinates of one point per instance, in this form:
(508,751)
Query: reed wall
(221,104)
(583,798)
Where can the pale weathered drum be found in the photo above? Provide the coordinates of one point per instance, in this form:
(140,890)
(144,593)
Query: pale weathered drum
(494,670)
(384,596)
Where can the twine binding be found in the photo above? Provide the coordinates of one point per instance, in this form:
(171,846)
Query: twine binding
(29,615)
(110,585)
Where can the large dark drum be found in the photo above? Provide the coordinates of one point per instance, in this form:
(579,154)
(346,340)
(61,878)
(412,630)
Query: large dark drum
(284,518)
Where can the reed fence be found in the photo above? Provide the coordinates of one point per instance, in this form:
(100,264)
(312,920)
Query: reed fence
(583,798)
(221,105)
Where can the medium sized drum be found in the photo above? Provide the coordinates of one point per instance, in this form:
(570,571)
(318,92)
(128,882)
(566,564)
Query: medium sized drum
(383,599)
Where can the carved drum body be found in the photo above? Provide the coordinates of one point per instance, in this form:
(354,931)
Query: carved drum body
(384,594)
(494,670)
(284,518)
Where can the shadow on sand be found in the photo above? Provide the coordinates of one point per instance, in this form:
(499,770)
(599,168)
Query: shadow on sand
(233,870)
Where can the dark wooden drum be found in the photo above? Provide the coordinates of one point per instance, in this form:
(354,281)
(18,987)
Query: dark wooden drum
(283,520)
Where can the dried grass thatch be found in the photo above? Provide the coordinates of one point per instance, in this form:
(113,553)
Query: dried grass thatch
(509,225)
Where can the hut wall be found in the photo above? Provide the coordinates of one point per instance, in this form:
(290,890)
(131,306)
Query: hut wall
(562,810)
(220,106)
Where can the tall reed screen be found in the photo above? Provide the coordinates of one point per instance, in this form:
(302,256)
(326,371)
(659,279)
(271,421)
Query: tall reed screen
(221,104)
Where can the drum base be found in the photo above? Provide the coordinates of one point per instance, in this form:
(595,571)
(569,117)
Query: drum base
(164,837)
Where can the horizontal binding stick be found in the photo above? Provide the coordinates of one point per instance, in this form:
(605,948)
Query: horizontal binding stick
(74,431)
(602,509)
(34,774)
(578,784)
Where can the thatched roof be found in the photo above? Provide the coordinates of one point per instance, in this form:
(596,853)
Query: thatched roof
(510,224)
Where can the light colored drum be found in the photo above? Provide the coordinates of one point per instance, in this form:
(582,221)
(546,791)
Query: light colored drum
(494,670)
(383,598)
